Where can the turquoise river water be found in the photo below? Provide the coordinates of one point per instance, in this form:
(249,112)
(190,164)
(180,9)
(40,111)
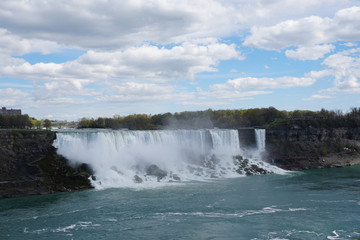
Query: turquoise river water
(316,204)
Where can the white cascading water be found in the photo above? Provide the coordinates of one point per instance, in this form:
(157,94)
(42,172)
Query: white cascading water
(260,137)
(122,158)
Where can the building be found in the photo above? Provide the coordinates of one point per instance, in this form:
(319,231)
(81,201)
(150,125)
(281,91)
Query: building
(10,112)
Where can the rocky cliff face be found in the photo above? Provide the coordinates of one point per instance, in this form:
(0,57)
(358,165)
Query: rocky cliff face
(29,165)
(311,147)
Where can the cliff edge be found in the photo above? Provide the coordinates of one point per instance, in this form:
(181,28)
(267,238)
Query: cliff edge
(310,147)
(29,165)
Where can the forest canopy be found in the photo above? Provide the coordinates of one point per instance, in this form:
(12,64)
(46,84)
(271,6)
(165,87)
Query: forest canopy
(255,117)
(23,122)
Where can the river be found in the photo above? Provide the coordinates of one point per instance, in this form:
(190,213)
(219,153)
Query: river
(315,204)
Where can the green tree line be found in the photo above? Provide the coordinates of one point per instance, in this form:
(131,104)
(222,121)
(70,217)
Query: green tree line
(255,117)
(23,122)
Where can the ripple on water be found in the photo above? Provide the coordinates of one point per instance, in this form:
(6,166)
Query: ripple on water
(265,210)
(301,234)
(77,226)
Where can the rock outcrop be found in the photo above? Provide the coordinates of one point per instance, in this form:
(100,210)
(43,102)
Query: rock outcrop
(307,148)
(29,165)
(154,170)
(245,167)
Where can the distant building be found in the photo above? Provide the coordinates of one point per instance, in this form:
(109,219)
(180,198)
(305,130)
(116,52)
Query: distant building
(10,112)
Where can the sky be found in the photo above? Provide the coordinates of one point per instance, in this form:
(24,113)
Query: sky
(66,60)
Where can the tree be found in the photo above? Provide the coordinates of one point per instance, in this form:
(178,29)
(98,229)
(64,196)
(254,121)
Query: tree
(47,124)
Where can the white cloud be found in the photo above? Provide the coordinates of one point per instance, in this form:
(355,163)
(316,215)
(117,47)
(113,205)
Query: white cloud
(120,76)
(93,24)
(310,53)
(317,97)
(344,68)
(138,92)
(308,31)
(147,62)
(350,44)
(251,83)
(249,87)
(139,52)
(13,97)
(60,89)
(116,24)
(13,45)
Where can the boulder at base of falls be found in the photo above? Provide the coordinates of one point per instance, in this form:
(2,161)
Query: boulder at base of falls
(244,167)
(138,179)
(154,170)
(176,177)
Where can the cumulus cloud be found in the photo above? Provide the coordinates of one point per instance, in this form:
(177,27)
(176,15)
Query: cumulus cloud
(146,62)
(310,53)
(59,89)
(142,51)
(249,87)
(13,97)
(116,24)
(344,68)
(308,31)
(251,83)
(14,45)
(138,92)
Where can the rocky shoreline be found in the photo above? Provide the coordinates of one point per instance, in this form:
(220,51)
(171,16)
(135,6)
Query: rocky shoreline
(29,165)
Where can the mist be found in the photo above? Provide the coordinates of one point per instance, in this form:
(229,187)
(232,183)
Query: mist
(154,158)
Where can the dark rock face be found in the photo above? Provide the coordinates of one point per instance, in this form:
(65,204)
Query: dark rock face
(247,137)
(138,179)
(176,177)
(244,167)
(29,165)
(298,149)
(154,170)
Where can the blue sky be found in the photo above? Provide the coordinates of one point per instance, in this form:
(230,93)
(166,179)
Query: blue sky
(70,59)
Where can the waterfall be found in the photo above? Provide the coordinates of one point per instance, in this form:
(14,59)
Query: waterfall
(125,158)
(260,137)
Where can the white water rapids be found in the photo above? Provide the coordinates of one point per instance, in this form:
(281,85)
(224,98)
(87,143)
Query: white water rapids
(123,158)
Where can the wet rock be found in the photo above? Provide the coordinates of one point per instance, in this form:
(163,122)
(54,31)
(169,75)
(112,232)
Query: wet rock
(154,170)
(213,176)
(238,158)
(138,179)
(244,167)
(176,177)
(210,162)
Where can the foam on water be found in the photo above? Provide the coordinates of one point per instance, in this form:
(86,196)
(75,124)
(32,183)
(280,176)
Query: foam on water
(265,210)
(118,156)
